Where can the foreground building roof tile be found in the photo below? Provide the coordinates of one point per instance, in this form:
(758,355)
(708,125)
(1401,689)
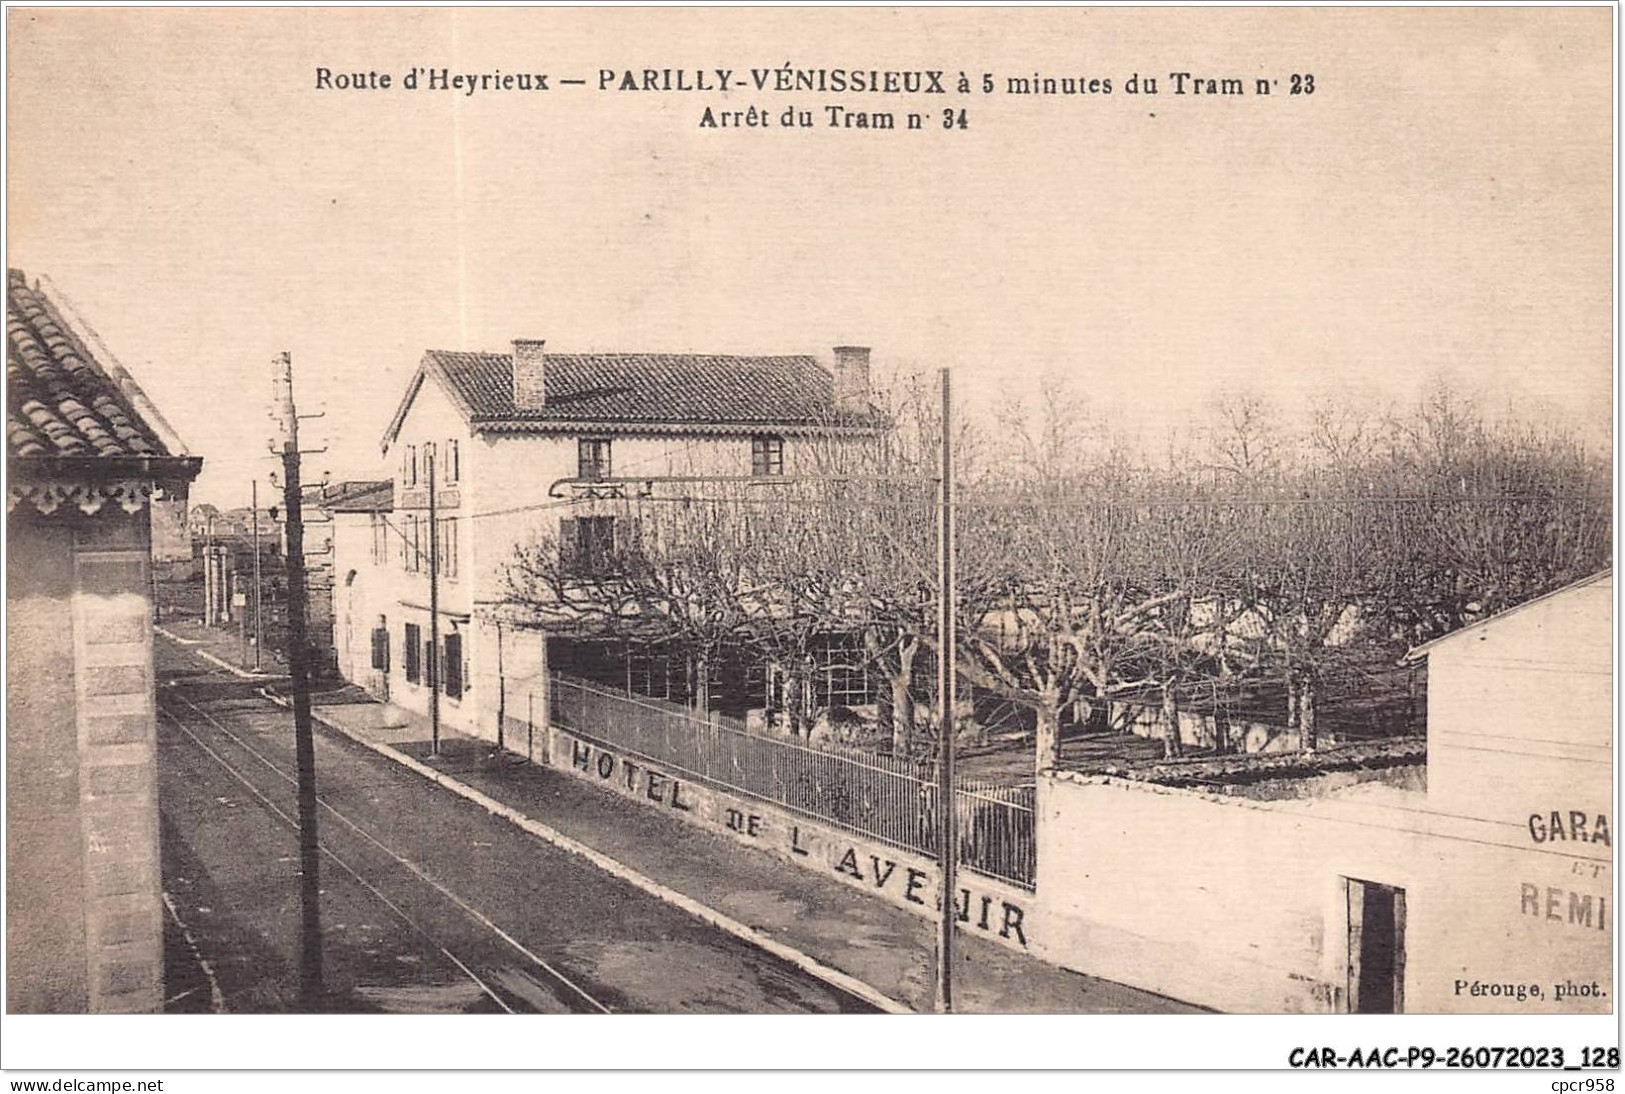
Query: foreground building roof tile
(61,401)
(80,432)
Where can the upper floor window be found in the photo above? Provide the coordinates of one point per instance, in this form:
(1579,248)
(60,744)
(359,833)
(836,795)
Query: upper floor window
(446,548)
(453,468)
(409,465)
(767,456)
(592,458)
(587,546)
(380,538)
(412,548)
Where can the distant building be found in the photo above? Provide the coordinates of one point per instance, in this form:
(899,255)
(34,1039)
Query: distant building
(198,519)
(224,544)
(362,599)
(87,455)
(317,508)
(206,522)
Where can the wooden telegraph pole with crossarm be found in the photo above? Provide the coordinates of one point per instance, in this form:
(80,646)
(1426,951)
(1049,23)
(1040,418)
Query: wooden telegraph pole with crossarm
(311,992)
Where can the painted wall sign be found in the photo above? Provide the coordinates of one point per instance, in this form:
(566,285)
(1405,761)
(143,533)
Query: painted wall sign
(984,907)
(635,778)
(1563,907)
(918,886)
(1574,825)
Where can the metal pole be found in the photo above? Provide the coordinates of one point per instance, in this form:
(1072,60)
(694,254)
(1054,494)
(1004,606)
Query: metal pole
(208,574)
(502,690)
(310,921)
(947,829)
(208,578)
(259,634)
(434,614)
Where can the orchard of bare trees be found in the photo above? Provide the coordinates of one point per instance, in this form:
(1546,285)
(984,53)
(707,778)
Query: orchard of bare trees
(1255,557)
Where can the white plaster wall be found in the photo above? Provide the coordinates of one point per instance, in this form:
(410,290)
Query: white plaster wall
(352,617)
(358,604)
(1240,906)
(517,693)
(1520,715)
(516,471)
(431,419)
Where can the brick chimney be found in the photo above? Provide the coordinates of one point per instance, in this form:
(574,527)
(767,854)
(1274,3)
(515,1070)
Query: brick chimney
(852,394)
(529,374)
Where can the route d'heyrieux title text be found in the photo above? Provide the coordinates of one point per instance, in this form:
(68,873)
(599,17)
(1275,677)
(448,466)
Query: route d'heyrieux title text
(787,79)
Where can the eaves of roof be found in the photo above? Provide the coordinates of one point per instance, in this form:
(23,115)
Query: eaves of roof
(735,429)
(1418,652)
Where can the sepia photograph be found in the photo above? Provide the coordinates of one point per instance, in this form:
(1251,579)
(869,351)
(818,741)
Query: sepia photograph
(1101,512)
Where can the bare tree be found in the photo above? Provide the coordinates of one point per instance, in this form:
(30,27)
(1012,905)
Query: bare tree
(1053,598)
(1084,574)
(674,569)
(1244,438)
(1191,543)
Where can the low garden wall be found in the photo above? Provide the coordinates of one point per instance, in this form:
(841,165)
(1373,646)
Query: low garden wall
(987,908)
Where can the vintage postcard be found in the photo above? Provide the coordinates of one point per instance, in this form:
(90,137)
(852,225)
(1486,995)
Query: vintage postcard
(1100,512)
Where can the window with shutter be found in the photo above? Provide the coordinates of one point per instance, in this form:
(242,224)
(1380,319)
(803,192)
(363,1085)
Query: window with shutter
(596,544)
(454,665)
(380,648)
(412,647)
(568,555)
(592,458)
(448,548)
(628,535)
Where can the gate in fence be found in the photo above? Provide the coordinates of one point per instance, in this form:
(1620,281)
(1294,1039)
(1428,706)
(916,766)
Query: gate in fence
(885,797)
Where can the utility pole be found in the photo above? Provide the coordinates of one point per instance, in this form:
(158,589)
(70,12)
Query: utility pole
(502,691)
(947,829)
(310,935)
(434,612)
(259,634)
(208,575)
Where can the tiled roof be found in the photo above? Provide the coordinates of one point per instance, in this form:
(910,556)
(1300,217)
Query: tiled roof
(675,388)
(367,496)
(60,401)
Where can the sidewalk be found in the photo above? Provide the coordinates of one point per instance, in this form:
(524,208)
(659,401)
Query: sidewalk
(222,647)
(885,947)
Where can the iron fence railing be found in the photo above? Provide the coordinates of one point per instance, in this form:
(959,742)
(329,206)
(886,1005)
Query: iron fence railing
(889,798)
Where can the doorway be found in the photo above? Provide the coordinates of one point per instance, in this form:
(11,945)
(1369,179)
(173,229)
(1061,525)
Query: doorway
(1376,954)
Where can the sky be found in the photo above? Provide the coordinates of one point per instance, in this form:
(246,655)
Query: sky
(1440,205)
